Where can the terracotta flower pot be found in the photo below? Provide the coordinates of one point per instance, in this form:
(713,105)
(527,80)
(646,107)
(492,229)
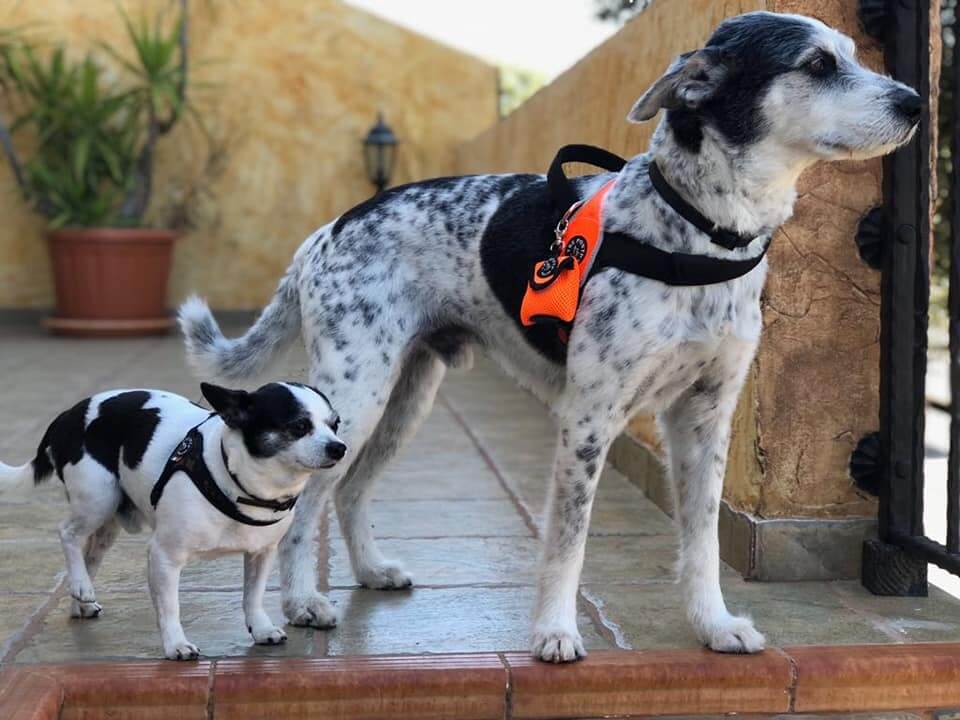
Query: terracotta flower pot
(110,282)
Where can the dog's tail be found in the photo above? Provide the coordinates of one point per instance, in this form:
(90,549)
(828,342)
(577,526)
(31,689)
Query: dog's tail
(211,355)
(15,479)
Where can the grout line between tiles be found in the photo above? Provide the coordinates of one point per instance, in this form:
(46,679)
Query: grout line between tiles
(491,463)
(794,679)
(607,628)
(18,640)
(211,706)
(508,690)
(878,622)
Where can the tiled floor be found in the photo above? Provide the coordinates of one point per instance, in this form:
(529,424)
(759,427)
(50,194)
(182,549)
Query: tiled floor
(460,507)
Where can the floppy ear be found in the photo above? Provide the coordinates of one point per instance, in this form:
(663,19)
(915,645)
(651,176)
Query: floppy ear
(691,80)
(232,405)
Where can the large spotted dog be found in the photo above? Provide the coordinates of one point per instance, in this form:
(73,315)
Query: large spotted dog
(403,285)
(207,483)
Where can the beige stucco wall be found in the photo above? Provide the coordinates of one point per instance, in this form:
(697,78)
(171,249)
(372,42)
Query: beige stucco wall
(296,87)
(812,392)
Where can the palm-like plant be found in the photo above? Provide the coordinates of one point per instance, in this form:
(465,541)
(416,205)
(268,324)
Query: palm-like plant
(93,142)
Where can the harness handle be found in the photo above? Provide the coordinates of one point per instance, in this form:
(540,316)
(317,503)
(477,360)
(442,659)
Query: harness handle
(561,189)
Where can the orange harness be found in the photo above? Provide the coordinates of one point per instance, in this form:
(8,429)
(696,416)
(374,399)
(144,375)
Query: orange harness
(553,293)
(581,248)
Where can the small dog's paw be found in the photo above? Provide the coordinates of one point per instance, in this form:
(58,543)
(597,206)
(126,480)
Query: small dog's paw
(82,592)
(733,635)
(557,646)
(85,610)
(312,611)
(389,576)
(182,651)
(269,636)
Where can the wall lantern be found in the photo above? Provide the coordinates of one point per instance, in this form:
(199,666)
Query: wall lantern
(379,151)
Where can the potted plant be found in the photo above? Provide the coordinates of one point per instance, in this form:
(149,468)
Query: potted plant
(89,170)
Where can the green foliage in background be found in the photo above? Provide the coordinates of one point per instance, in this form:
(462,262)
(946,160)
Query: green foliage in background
(618,11)
(516,85)
(92,140)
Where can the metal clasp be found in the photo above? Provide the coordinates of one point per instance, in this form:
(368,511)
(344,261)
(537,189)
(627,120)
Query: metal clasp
(557,245)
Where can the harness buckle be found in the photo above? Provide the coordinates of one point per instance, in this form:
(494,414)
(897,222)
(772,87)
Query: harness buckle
(557,245)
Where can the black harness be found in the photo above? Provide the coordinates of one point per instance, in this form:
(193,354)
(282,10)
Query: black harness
(625,252)
(187,458)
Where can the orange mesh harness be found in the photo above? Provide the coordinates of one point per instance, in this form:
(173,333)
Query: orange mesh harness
(554,290)
(582,248)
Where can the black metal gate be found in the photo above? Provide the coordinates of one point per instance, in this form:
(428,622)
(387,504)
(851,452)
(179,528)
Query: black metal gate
(891,464)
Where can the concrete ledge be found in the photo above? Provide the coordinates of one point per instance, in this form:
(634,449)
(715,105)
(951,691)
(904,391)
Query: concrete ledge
(833,679)
(760,548)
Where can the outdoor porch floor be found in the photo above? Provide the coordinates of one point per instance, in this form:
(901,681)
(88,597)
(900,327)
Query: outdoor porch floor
(460,507)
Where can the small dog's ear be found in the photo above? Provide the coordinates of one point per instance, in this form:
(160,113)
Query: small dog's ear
(232,405)
(691,80)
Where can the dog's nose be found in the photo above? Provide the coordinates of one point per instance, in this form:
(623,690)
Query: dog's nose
(336,450)
(908,104)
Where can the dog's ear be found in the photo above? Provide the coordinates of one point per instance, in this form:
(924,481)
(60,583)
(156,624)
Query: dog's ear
(232,405)
(691,80)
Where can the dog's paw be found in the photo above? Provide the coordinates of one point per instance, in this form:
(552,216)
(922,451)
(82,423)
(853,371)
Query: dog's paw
(389,576)
(268,636)
(82,592)
(85,610)
(312,611)
(182,651)
(733,635)
(556,645)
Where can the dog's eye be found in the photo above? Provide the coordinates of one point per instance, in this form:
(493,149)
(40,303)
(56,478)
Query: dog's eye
(301,427)
(335,425)
(822,65)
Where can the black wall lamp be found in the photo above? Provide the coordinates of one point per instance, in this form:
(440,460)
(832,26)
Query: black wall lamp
(379,152)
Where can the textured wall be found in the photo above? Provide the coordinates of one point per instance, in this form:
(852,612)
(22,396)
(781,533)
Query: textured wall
(813,390)
(297,85)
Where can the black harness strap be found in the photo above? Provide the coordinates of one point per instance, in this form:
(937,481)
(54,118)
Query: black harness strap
(188,458)
(724,238)
(251,499)
(625,252)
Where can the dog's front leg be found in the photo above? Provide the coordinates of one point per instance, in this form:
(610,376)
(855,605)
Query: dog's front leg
(256,570)
(163,576)
(581,451)
(696,431)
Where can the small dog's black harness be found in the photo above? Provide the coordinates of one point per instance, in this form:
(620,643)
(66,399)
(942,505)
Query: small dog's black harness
(187,458)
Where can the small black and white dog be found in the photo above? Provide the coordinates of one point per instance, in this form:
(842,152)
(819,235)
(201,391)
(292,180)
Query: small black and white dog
(208,484)
(402,286)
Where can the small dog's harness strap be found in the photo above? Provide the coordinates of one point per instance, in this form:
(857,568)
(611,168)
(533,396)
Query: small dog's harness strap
(251,499)
(187,458)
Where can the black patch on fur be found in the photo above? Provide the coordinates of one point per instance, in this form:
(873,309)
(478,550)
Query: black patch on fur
(122,425)
(267,423)
(518,236)
(757,48)
(449,342)
(376,204)
(63,442)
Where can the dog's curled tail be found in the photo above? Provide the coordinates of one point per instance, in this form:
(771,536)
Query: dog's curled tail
(211,355)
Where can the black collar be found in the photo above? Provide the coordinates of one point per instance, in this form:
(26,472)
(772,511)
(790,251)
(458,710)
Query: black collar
(187,458)
(720,236)
(251,499)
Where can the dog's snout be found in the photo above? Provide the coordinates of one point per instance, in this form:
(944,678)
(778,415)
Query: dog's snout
(908,104)
(336,450)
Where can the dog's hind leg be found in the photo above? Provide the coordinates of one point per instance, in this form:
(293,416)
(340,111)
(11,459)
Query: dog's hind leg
(94,497)
(409,403)
(357,377)
(97,546)
(696,431)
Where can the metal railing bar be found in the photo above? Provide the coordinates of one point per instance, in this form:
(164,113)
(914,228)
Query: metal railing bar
(929,551)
